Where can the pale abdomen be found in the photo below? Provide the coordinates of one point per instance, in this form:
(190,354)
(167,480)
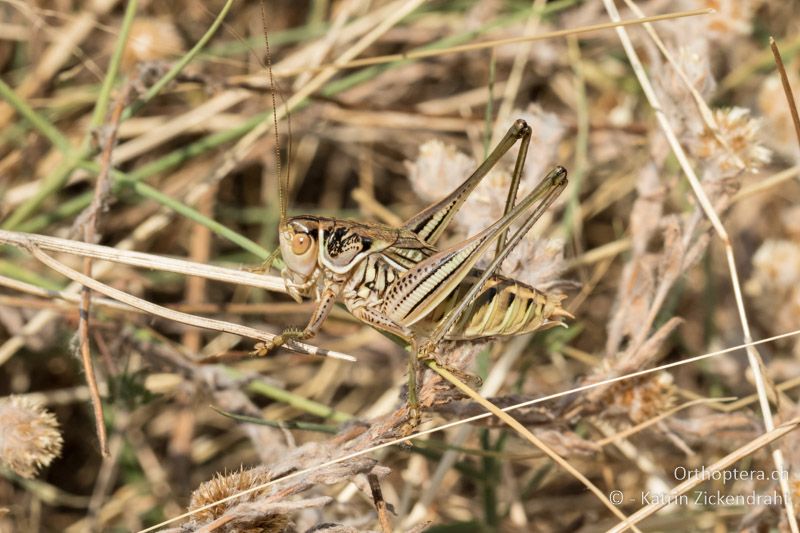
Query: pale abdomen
(504,307)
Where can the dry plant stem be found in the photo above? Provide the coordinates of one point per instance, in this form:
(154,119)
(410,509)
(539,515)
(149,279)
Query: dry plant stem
(139,259)
(15,32)
(58,52)
(574,215)
(471,419)
(105,478)
(526,434)
(643,460)
(380,503)
(41,319)
(199,251)
(600,253)
(386,119)
(50,494)
(647,423)
(593,278)
(402,8)
(754,359)
(491,385)
(154,471)
(371,206)
(707,472)
(176,316)
(102,187)
(179,125)
(702,107)
(309,55)
(787,88)
(88,366)
(66,396)
(517,70)
(328,41)
(215,524)
(21,286)
(765,184)
(783,386)
(357,63)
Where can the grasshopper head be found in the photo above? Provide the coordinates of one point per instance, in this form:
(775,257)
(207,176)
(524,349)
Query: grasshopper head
(298,239)
(310,245)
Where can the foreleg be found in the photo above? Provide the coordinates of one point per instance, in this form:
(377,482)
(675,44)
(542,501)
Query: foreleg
(321,312)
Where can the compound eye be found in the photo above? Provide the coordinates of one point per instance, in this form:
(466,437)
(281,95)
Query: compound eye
(301,242)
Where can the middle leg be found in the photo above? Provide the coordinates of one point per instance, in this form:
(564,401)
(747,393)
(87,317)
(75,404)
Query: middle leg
(374,318)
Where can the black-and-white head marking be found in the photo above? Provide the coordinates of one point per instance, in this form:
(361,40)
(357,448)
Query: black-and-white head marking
(343,247)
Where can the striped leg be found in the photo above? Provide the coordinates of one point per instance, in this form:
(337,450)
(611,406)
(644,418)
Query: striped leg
(420,289)
(547,191)
(431,222)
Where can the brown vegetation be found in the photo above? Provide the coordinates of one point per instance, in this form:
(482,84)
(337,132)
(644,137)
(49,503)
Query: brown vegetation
(678,236)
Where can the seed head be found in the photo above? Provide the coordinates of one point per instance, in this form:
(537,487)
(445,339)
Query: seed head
(741,132)
(778,121)
(642,398)
(29,436)
(223,485)
(151,40)
(775,285)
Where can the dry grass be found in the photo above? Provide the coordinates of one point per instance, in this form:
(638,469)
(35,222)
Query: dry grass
(676,243)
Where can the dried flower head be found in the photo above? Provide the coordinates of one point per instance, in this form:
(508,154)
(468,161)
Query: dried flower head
(777,264)
(741,133)
(689,42)
(730,19)
(693,59)
(224,485)
(29,436)
(640,399)
(438,168)
(536,262)
(151,40)
(775,285)
(778,121)
(790,219)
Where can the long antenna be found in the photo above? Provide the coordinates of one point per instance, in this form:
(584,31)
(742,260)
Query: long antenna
(282,184)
